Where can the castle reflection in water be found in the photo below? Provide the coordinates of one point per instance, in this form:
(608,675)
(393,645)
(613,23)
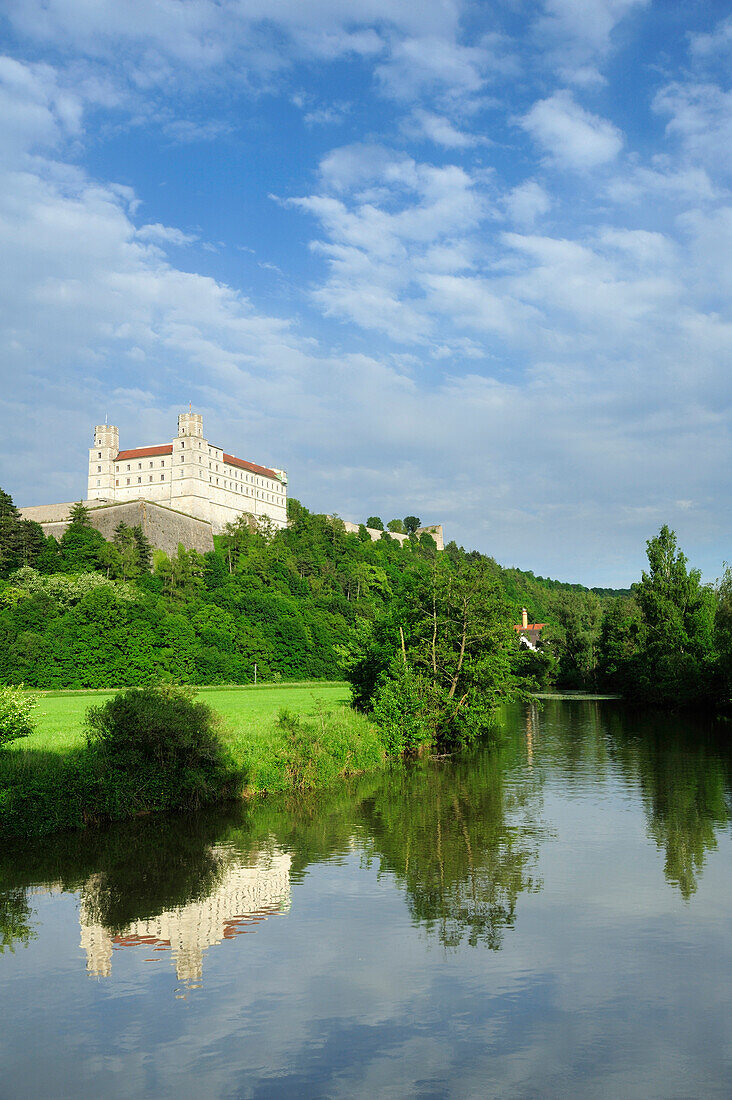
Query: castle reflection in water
(245,896)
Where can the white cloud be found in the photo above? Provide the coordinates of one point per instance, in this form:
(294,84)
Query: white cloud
(665,180)
(718,42)
(164,234)
(526,202)
(701,119)
(579,33)
(571,136)
(433,64)
(440,130)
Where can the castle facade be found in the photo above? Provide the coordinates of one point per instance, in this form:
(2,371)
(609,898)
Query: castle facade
(189,474)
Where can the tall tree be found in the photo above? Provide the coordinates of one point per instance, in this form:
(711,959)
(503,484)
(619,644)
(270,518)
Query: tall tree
(676,658)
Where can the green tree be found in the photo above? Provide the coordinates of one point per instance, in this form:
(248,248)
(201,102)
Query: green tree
(411,523)
(396,526)
(144,549)
(676,656)
(126,546)
(574,637)
(81,545)
(451,627)
(375,523)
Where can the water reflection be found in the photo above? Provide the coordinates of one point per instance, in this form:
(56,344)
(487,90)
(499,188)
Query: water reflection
(164,885)
(16,920)
(243,896)
(683,776)
(461,837)
(463,841)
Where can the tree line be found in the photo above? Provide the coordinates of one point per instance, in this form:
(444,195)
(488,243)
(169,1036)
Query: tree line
(415,630)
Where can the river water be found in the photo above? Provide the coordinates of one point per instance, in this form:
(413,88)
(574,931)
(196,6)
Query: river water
(547,919)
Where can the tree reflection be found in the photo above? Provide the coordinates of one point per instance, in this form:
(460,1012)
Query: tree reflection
(15,919)
(683,772)
(462,840)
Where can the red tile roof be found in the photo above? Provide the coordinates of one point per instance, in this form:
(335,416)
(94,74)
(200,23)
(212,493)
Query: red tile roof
(145,452)
(167,449)
(251,466)
(530,626)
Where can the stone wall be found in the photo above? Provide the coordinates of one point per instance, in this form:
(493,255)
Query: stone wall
(163,527)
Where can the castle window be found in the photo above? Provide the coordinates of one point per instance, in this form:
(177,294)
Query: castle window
(162,461)
(149,477)
(98,483)
(128,480)
(99,469)
(182,458)
(139,481)
(117,482)
(99,455)
(162,477)
(151,465)
(182,446)
(139,465)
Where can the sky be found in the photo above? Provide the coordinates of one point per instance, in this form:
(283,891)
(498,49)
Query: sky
(467,261)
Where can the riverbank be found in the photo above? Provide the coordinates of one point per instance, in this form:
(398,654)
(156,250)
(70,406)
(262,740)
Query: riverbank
(277,738)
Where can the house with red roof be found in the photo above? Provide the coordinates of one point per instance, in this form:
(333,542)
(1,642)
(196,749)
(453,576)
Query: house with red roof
(529,633)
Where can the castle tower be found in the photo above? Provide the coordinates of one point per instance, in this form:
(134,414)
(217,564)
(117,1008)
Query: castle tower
(190,423)
(190,461)
(101,462)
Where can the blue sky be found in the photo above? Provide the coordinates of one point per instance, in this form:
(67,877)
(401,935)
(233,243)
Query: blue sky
(464,260)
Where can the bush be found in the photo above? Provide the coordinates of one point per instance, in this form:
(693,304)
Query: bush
(165,739)
(16,707)
(404,709)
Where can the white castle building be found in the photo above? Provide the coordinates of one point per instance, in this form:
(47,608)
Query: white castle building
(190,475)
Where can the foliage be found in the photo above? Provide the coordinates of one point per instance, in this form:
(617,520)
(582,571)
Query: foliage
(404,706)
(376,523)
(661,647)
(89,613)
(21,541)
(574,637)
(16,709)
(161,732)
(451,626)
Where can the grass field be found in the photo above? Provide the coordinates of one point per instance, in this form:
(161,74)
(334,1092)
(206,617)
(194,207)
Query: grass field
(51,780)
(248,712)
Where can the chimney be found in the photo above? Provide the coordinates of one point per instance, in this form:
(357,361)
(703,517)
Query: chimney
(524,618)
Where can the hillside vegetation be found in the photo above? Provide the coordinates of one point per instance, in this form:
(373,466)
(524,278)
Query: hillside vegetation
(313,602)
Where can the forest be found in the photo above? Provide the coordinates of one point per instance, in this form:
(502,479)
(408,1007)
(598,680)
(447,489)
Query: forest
(314,602)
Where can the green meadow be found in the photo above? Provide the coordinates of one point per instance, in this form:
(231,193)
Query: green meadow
(246,711)
(280,737)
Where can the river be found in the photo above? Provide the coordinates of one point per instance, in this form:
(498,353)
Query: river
(551,918)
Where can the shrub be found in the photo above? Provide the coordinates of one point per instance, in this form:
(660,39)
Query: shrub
(404,709)
(16,707)
(167,741)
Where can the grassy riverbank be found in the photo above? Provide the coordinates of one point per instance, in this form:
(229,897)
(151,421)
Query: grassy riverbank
(47,783)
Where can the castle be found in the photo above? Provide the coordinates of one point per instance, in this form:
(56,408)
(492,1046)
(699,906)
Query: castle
(245,896)
(190,475)
(182,492)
